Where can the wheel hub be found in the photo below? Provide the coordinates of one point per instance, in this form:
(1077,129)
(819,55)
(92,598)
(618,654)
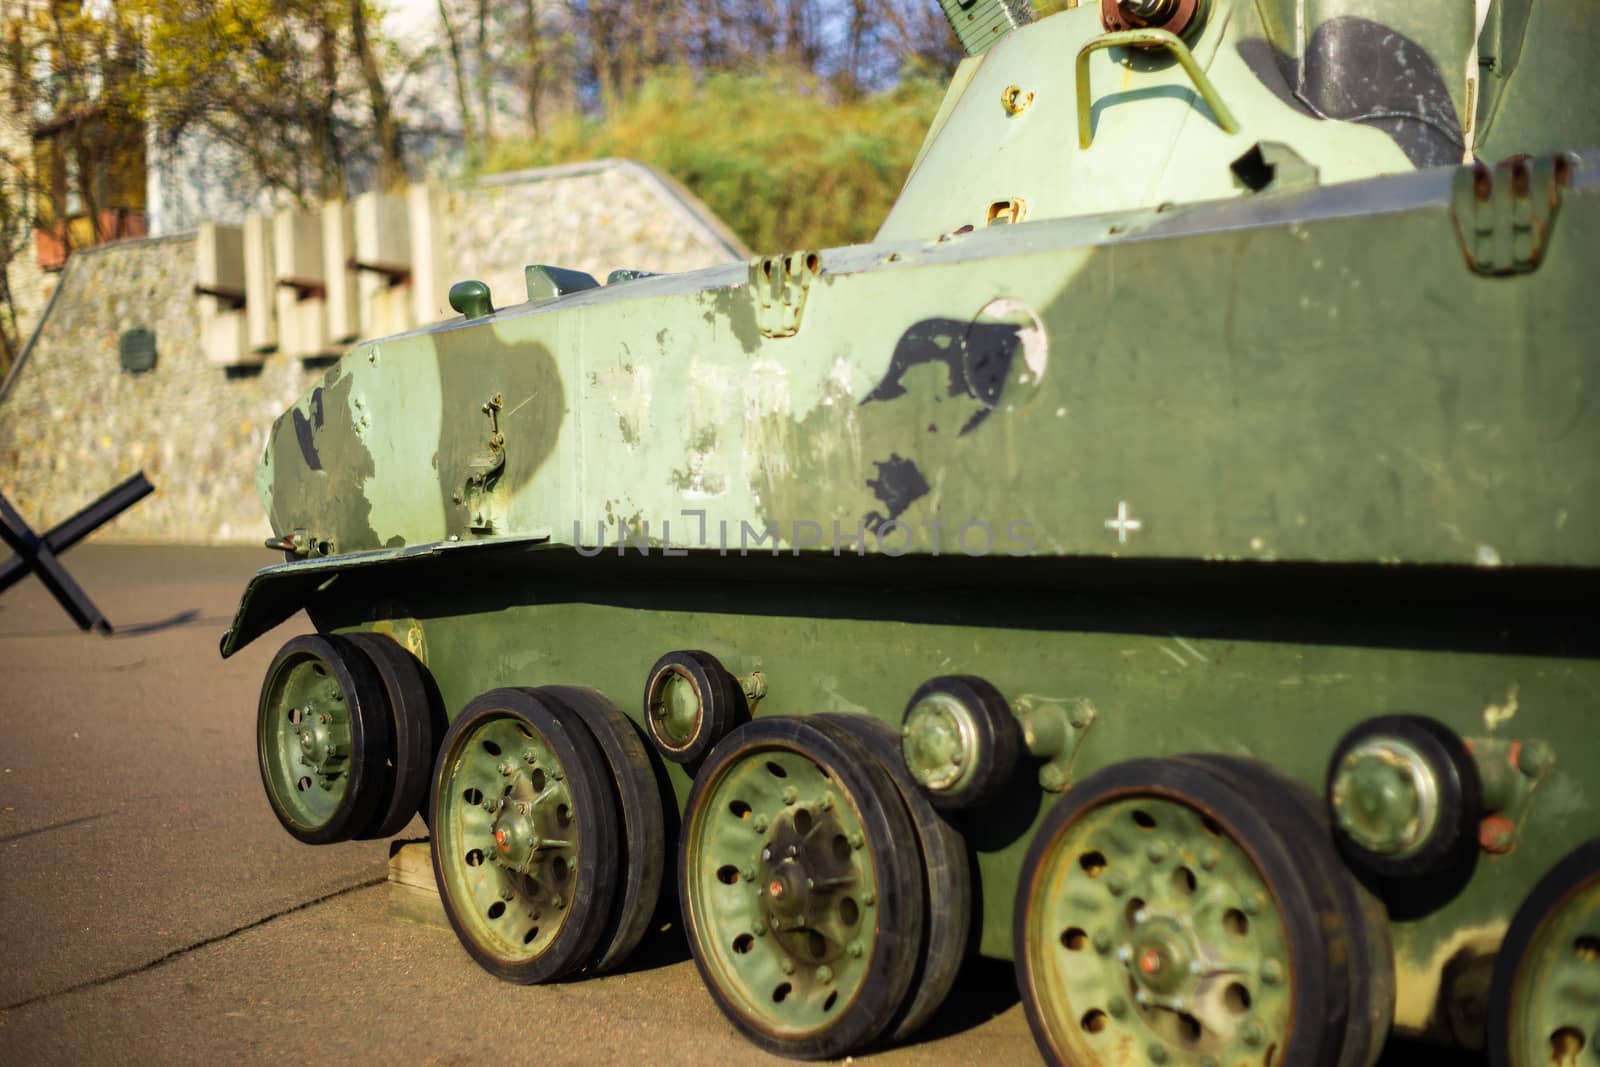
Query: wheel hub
(675,706)
(1159,955)
(1385,797)
(321,748)
(938,738)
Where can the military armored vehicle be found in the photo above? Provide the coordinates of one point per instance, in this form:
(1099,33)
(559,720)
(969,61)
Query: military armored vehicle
(1166,558)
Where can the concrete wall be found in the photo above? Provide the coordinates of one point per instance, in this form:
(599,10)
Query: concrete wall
(73,423)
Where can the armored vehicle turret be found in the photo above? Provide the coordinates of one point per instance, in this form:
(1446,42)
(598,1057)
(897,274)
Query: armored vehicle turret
(1165,558)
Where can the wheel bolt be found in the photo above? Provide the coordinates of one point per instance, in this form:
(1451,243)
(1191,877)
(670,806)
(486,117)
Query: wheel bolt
(1158,1054)
(531,758)
(747,873)
(507,893)
(826,804)
(1251,1034)
(788,965)
(761,825)
(855,949)
(824,974)
(1209,858)
(1102,942)
(1157,852)
(789,795)
(558,901)
(1253,904)
(1117,1007)
(1116,884)
(869,899)
(856,841)
(1272,972)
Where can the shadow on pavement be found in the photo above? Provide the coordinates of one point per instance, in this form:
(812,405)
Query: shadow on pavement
(182,618)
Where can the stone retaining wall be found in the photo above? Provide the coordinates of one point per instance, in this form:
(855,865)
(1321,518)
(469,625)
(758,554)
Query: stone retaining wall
(73,423)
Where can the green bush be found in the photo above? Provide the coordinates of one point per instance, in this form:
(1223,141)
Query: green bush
(775,155)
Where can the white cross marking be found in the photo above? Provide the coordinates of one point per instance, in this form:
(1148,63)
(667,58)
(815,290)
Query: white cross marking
(1122,524)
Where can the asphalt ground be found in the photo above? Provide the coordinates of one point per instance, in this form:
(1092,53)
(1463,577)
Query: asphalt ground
(152,910)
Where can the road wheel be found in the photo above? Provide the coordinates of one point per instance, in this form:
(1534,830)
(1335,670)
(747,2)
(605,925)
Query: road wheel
(1546,987)
(1360,933)
(411,725)
(525,836)
(1161,909)
(690,703)
(322,739)
(947,879)
(802,904)
(639,803)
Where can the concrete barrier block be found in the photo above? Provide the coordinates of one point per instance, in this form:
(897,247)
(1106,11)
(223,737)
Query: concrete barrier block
(302,289)
(260,285)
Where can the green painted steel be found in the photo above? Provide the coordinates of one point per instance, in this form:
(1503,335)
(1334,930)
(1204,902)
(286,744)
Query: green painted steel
(1196,439)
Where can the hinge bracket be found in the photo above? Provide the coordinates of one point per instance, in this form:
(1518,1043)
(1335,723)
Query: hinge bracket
(780,284)
(1504,217)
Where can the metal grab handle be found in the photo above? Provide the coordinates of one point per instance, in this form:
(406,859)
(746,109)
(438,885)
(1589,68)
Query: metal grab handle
(1148,37)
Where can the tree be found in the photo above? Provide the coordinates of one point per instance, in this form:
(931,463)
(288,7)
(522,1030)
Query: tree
(295,86)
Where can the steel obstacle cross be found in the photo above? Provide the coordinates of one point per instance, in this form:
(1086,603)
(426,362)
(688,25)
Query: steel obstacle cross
(38,554)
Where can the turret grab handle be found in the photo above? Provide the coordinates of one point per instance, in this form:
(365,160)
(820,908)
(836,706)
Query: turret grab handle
(1147,38)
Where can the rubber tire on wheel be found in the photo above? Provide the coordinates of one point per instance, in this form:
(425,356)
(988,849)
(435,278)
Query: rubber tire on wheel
(898,905)
(1575,872)
(947,871)
(411,720)
(1454,839)
(594,819)
(638,796)
(1320,982)
(1363,926)
(722,704)
(368,717)
(998,744)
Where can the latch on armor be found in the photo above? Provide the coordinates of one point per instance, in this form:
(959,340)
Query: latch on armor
(1504,217)
(483,473)
(780,284)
